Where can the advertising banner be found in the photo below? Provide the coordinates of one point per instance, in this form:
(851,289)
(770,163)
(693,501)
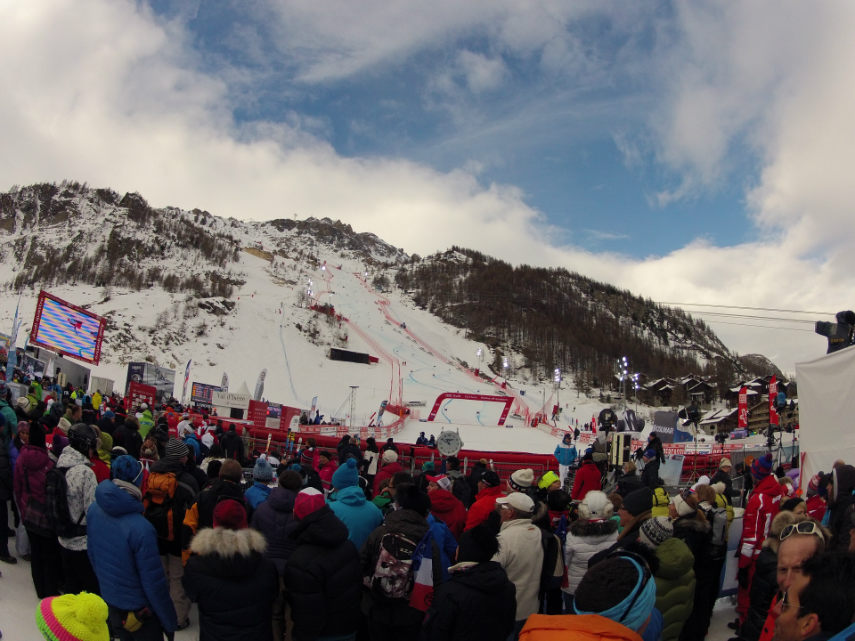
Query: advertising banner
(140,393)
(233,400)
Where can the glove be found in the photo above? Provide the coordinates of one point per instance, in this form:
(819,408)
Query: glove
(742,578)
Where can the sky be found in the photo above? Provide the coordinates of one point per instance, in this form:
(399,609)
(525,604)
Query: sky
(690,152)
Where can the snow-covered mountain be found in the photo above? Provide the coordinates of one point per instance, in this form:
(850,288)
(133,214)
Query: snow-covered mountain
(238,297)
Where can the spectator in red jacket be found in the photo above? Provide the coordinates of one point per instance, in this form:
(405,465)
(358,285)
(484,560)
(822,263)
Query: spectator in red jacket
(763,504)
(444,505)
(388,470)
(587,478)
(485,501)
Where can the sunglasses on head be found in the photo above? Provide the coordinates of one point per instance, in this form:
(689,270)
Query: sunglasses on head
(804,527)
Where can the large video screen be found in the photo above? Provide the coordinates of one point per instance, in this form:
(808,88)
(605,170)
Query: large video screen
(68,329)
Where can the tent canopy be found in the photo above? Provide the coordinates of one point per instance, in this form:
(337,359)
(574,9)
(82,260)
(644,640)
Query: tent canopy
(826,412)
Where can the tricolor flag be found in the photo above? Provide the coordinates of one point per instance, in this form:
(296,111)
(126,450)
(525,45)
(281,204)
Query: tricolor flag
(186,379)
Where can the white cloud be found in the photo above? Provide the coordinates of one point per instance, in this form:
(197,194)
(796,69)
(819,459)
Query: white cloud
(482,73)
(104,93)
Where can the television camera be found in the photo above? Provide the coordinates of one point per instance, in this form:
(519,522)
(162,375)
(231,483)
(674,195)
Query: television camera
(840,334)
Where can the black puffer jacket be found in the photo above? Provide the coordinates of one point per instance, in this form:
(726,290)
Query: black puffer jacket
(208,499)
(477,602)
(274,518)
(763,588)
(234,585)
(322,578)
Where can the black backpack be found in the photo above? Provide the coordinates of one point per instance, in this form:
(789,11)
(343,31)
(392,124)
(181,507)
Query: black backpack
(56,503)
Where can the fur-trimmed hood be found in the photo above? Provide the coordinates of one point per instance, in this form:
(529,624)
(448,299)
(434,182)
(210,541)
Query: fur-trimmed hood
(583,528)
(228,543)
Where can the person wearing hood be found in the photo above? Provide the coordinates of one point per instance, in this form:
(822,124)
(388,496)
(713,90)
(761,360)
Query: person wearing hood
(588,477)
(323,578)
(650,472)
(326,468)
(262,475)
(675,578)
(230,579)
(591,533)
(81,482)
(123,550)
(30,473)
(127,435)
(348,503)
(444,505)
(478,601)
(274,518)
(388,468)
(146,420)
(566,454)
(763,504)
(840,504)
(170,551)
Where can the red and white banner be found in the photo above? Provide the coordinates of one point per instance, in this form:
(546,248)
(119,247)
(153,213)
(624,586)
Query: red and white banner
(743,409)
(773,394)
(139,393)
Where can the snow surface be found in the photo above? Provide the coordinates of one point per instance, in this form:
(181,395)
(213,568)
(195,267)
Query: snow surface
(417,363)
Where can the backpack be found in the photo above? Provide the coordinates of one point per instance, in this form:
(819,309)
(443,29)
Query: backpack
(717,518)
(392,577)
(159,504)
(35,518)
(56,504)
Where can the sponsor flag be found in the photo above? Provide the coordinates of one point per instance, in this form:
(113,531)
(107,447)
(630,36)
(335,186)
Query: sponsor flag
(224,383)
(773,394)
(743,409)
(186,379)
(259,385)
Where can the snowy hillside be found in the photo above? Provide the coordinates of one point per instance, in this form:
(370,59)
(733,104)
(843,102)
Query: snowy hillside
(236,298)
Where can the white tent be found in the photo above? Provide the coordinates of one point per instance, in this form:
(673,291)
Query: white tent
(826,412)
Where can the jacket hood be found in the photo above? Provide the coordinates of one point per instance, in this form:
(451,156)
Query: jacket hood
(769,486)
(33,458)
(281,500)
(230,552)
(71,457)
(584,528)
(843,481)
(115,501)
(321,527)
(353,496)
(443,501)
(675,559)
(165,466)
(489,577)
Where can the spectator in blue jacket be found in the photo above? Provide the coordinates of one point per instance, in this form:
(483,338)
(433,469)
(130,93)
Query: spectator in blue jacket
(566,454)
(122,547)
(348,503)
(262,475)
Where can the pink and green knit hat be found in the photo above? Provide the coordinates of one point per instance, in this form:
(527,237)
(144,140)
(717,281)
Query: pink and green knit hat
(73,617)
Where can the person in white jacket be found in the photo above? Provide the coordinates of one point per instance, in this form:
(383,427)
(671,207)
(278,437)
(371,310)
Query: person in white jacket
(520,552)
(592,532)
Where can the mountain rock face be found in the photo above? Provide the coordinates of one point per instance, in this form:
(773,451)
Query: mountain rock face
(68,234)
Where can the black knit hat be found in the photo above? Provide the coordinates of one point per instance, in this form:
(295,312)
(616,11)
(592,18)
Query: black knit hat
(478,545)
(410,497)
(638,501)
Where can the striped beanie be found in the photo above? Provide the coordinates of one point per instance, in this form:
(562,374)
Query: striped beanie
(73,617)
